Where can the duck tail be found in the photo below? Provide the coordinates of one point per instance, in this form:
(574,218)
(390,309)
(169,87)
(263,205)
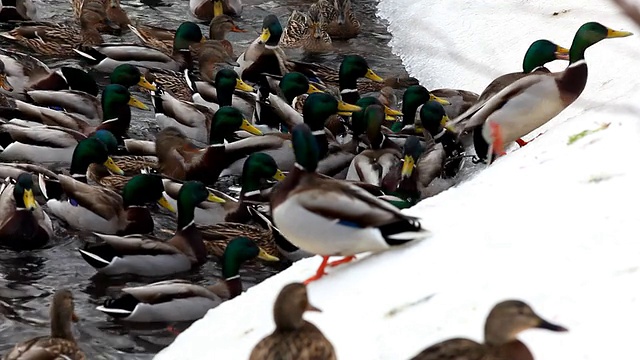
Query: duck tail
(121,307)
(91,55)
(403,231)
(98,256)
(50,188)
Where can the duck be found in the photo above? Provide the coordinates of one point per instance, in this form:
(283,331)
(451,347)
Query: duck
(373,164)
(206,10)
(116,15)
(146,256)
(433,118)
(54,39)
(130,165)
(18,10)
(352,68)
(539,53)
(23,224)
(412,100)
(98,209)
(106,57)
(358,127)
(180,300)
(505,321)
(219,27)
(334,209)
(258,171)
(264,54)
(60,344)
(306,31)
(342,22)
(220,92)
(532,101)
(293,335)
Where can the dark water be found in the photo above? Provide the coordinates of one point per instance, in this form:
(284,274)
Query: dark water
(28,279)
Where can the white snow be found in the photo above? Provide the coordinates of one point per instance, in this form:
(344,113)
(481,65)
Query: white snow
(552,224)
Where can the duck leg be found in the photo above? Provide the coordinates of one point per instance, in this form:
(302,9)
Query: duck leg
(344,260)
(523,143)
(320,272)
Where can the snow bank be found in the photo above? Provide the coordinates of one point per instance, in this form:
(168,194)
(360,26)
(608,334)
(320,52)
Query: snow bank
(552,224)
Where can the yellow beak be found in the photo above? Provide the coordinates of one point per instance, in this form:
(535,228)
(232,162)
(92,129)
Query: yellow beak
(29,200)
(343,106)
(441,101)
(444,121)
(266,34)
(615,33)
(266,257)
(137,103)
(279,175)
(217,8)
(243,86)
(215,199)
(146,84)
(391,112)
(373,76)
(165,204)
(111,165)
(407,166)
(246,126)
(5,83)
(312,89)
(562,53)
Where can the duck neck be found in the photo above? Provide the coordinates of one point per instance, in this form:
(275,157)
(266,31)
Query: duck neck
(323,143)
(61,326)
(117,119)
(409,111)
(577,50)
(225,96)
(231,274)
(217,33)
(186,215)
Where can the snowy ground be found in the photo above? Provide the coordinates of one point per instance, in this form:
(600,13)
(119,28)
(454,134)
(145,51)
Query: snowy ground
(552,224)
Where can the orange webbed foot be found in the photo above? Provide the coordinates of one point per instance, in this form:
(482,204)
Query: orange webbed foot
(344,260)
(320,272)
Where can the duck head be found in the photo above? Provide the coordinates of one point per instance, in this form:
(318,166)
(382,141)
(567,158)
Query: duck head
(271,31)
(145,189)
(23,192)
(290,305)
(128,75)
(187,34)
(226,121)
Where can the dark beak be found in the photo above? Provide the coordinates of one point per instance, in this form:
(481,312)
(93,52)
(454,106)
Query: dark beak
(544,324)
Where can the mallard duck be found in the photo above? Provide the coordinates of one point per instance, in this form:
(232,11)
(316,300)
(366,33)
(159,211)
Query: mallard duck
(413,98)
(263,55)
(293,336)
(138,255)
(107,57)
(54,39)
(221,92)
(533,100)
(334,209)
(23,224)
(116,14)
(179,300)
(94,208)
(206,10)
(352,68)
(219,27)
(538,54)
(505,321)
(129,164)
(106,15)
(306,30)
(17,10)
(341,19)
(373,164)
(60,344)
(359,126)
(433,118)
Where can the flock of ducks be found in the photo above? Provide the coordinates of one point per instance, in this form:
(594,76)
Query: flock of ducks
(326,157)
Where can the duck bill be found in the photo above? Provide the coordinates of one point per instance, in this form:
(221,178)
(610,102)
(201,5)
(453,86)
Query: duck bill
(266,34)
(391,112)
(137,103)
(562,53)
(312,308)
(203,39)
(29,200)
(111,165)
(235,28)
(441,101)
(246,126)
(544,324)
(215,199)
(5,83)
(262,255)
(344,107)
(312,89)
(373,76)
(217,8)
(407,166)
(279,175)
(165,204)
(243,86)
(444,121)
(616,33)
(144,83)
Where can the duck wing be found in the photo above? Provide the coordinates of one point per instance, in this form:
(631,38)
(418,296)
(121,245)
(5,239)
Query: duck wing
(163,291)
(101,201)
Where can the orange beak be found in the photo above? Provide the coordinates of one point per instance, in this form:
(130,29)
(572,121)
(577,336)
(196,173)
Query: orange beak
(235,28)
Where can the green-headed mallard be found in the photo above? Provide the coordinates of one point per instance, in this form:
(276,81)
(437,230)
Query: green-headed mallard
(413,98)
(340,17)
(107,57)
(373,164)
(144,256)
(23,224)
(306,31)
(60,344)
(532,101)
(505,321)
(433,118)
(54,39)
(94,208)
(220,92)
(359,126)
(340,218)
(263,55)
(180,300)
(352,68)
(538,54)
(293,336)
(206,10)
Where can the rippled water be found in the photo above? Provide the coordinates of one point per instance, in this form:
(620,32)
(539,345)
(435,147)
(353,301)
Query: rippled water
(28,279)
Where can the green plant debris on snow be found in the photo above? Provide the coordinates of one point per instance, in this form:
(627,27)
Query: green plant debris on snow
(580,135)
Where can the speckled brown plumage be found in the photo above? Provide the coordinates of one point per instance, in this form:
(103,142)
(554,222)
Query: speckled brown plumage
(217,237)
